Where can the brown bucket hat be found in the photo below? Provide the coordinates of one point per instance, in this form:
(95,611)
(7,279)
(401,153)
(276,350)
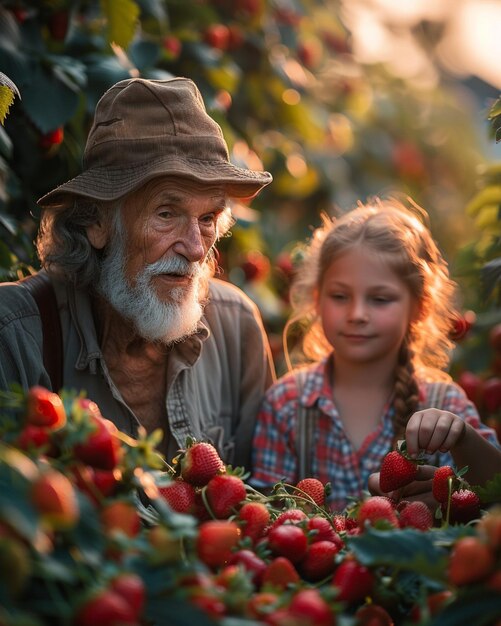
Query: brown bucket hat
(148,128)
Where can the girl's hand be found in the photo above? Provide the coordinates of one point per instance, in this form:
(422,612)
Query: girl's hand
(420,488)
(433,430)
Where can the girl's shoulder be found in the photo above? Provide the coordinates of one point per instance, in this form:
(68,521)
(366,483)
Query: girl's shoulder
(439,393)
(291,384)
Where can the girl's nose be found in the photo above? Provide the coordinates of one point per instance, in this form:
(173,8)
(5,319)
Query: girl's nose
(358,311)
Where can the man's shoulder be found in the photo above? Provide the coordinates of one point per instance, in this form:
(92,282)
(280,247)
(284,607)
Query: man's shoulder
(223,293)
(15,302)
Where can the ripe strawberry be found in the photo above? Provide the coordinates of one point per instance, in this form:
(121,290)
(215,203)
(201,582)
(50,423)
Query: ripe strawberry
(289,516)
(120,516)
(440,484)
(322,530)
(280,573)
(416,515)
(308,605)
(94,482)
(180,496)
(377,510)
(343,523)
(199,463)
(465,507)
(106,608)
(250,561)
(33,437)
(373,615)
(255,517)
(216,541)
(224,493)
(319,561)
(471,561)
(54,497)
(314,489)
(102,448)
(207,602)
(288,540)
(131,587)
(396,471)
(353,580)
(44,408)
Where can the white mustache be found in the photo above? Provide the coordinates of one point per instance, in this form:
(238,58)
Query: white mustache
(174,265)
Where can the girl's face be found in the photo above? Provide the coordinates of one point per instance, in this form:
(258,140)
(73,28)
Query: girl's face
(365,308)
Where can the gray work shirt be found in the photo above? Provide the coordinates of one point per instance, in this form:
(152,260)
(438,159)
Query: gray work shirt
(216,377)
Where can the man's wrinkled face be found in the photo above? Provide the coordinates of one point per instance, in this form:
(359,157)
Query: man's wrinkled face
(156,261)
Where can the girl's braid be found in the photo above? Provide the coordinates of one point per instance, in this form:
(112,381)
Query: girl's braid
(406,391)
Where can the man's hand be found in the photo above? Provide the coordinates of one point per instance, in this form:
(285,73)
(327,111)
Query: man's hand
(419,489)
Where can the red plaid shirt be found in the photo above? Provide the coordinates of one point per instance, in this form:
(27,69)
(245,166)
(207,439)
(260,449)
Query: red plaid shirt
(333,457)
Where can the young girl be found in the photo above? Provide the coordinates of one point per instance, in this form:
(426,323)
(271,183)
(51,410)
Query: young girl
(375,302)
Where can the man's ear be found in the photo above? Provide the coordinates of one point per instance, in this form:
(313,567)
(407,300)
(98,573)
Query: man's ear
(97,235)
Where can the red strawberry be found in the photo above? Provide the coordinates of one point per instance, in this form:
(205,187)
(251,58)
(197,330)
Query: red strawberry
(289,516)
(180,496)
(131,587)
(95,483)
(54,497)
(465,507)
(319,561)
(255,517)
(224,493)
(416,515)
(106,608)
(471,561)
(343,523)
(102,448)
(377,510)
(199,463)
(280,573)
(322,530)
(33,438)
(250,561)
(261,604)
(120,517)
(216,541)
(396,471)
(353,580)
(440,484)
(314,489)
(373,615)
(288,540)
(308,606)
(44,408)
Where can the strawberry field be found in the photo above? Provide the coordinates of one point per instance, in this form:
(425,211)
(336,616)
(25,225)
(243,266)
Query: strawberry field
(97,529)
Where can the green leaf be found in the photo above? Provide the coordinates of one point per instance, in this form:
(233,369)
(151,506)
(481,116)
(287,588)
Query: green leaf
(477,606)
(412,550)
(6,99)
(122,21)
(491,491)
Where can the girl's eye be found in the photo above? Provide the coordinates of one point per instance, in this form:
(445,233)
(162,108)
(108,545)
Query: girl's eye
(381,299)
(338,296)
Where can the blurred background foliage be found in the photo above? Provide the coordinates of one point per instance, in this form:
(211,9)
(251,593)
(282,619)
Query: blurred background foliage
(339,100)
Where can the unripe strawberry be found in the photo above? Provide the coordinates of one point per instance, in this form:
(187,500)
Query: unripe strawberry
(166,548)
(54,497)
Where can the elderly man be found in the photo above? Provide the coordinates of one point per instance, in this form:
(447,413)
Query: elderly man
(128,246)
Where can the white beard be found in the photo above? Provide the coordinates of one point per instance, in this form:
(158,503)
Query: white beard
(154,320)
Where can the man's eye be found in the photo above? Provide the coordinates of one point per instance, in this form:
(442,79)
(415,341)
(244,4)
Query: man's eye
(209,219)
(165,214)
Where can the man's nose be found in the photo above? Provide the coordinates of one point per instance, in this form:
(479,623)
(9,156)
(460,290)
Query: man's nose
(190,242)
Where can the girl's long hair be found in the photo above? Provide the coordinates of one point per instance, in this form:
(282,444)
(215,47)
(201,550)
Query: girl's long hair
(399,236)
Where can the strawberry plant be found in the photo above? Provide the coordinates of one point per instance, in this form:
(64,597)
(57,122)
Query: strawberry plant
(140,544)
